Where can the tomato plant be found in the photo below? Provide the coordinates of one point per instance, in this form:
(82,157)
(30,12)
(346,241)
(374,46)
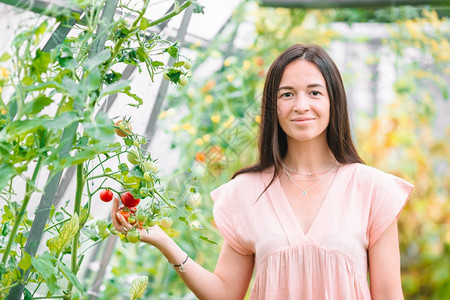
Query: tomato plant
(51,90)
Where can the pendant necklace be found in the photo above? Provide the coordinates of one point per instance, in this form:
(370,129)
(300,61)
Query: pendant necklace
(309,173)
(305,192)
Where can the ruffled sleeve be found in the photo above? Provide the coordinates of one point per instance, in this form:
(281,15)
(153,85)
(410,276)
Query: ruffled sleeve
(224,216)
(388,198)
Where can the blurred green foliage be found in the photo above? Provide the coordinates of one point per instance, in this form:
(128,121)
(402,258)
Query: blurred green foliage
(401,138)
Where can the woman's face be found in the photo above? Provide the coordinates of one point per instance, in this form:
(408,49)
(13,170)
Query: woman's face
(303,105)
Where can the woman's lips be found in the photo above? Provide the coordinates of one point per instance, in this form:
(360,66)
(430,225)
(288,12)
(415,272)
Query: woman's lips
(302,120)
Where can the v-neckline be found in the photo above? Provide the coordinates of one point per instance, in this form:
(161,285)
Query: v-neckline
(324,215)
(318,212)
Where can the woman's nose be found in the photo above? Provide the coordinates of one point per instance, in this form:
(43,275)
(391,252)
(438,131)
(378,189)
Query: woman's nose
(301,104)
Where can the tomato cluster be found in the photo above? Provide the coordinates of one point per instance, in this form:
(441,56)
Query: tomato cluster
(138,217)
(139,181)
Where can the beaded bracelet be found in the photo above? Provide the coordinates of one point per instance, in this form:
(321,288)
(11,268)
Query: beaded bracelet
(180,267)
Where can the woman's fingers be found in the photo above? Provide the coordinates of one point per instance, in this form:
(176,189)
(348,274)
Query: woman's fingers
(114,209)
(123,222)
(115,204)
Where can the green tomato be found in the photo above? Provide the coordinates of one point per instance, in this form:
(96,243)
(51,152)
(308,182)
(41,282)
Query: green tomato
(150,166)
(142,140)
(141,216)
(143,191)
(166,222)
(133,157)
(147,176)
(133,236)
(136,144)
(187,65)
(156,208)
(183,80)
(150,222)
(131,219)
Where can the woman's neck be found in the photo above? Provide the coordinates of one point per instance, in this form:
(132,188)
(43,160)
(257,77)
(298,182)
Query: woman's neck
(308,157)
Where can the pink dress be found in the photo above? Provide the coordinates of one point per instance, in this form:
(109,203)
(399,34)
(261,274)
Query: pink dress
(330,260)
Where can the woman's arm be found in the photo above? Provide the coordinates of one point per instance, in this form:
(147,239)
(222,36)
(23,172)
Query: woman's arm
(230,279)
(384,266)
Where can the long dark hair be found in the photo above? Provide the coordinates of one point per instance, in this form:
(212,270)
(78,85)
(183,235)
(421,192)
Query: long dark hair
(272,139)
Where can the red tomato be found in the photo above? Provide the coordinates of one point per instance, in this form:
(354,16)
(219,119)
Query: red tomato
(106,195)
(124,128)
(125,214)
(128,200)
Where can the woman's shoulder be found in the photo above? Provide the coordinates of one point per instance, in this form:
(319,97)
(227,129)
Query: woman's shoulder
(246,185)
(369,175)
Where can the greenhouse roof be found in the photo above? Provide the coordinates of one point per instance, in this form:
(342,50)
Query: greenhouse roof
(349,3)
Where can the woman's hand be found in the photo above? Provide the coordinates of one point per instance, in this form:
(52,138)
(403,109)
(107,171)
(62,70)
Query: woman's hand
(153,235)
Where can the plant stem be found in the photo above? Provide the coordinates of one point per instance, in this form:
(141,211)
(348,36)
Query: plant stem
(22,210)
(170,15)
(77,210)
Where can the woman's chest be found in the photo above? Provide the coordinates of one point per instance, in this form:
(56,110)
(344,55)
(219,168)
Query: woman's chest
(341,227)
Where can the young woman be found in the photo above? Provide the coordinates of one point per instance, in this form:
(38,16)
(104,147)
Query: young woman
(309,218)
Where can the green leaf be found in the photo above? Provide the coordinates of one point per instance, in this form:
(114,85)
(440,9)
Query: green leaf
(157,64)
(134,96)
(20,239)
(25,262)
(36,105)
(114,88)
(5,57)
(74,89)
(123,167)
(68,63)
(178,64)
(197,8)
(69,276)
(7,172)
(93,80)
(27,294)
(44,266)
(84,214)
(187,207)
(206,239)
(40,62)
(112,77)
(172,50)
(97,60)
(141,54)
(64,120)
(174,75)
(137,172)
(101,128)
(138,287)
(79,157)
(183,219)
(68,231)
(83,141)
(144,23)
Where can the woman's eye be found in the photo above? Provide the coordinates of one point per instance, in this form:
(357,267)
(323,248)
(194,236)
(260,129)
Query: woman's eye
(286,95)
(315,93)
